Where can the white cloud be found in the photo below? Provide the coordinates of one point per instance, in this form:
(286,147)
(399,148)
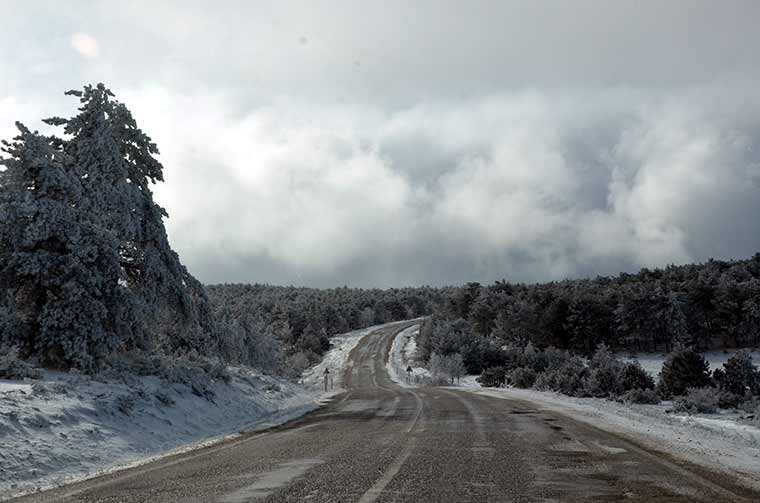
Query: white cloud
(316,190)
(386,151)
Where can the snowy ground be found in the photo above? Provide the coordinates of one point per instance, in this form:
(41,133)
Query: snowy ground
(67,427)
(652,362)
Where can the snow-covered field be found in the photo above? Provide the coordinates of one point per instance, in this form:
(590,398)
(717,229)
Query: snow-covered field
(66,427)
(652,362)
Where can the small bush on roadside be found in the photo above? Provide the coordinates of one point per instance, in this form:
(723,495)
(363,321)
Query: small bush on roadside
(522,377)
(604,375)
(633,377)
(295,364)
(535,359)
(11,367)
(683,368)
(493,377)
(728,400)
(739,376)
(568,379)
(698,400)
(643,396)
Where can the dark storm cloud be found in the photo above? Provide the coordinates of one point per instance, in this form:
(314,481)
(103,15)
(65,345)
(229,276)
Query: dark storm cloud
(422,142)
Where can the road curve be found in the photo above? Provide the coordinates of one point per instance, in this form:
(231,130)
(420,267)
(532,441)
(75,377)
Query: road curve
(378,442)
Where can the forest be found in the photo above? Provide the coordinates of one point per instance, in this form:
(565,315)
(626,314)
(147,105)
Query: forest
(704,306)
(89,281)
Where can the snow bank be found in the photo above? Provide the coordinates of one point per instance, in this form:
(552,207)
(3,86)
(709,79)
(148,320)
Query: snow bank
(402,356)
(66,427)
(715,441)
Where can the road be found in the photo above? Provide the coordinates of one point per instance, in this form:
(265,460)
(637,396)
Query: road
(379,442)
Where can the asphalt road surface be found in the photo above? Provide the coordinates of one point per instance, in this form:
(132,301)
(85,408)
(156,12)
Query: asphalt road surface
(379,442)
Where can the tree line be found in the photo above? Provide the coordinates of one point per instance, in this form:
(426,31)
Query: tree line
(705,306)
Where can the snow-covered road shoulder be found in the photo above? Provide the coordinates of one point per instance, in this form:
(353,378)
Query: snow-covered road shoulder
(66,427)
(402,356)
(716,442)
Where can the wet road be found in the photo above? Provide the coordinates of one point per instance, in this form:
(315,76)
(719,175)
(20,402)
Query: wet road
(379,442)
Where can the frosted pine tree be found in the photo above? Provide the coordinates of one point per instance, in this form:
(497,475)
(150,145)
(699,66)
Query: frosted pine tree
(60,272)
(116,163)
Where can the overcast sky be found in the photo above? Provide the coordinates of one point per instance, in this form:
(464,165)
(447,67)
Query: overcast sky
(393,143)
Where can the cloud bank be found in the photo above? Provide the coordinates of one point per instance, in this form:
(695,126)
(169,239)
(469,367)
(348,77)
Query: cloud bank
(316,147)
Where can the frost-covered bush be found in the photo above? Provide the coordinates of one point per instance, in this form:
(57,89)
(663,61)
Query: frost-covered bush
(604,374)
(445,369)
(569,379)
(643,396)
(189,372)
(12,367)
(698,400)
(740,376)
(522,377)
(633,376)
(535,359)
(684,368)
(493,377)
(295,364)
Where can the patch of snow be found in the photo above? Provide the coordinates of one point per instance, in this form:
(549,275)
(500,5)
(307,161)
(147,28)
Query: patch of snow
(715,441)
(403,356)
(652,362)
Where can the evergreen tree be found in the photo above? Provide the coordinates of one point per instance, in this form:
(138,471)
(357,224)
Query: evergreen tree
(59,268)
(116,162)
(684,368)
(740,376)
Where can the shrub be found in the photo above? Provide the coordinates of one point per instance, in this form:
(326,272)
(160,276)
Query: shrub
(603,383)
(11,367)
(522,377)
(740,376)
(493,377)
(295,364)
(556,358)
(568,379)
(682,369)
(634,377)
(604,376)
(639,395)
(698,400)
(534,359)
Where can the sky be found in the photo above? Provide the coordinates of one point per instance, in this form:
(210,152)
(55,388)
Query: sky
(393,143)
